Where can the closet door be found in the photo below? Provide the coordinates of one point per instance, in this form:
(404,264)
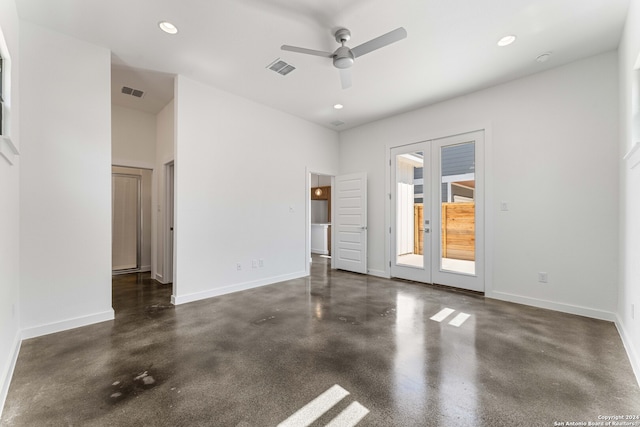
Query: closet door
(125,193)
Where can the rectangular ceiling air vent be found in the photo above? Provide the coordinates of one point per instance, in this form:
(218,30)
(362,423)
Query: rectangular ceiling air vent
(133,92)
(281,67)
(337,123)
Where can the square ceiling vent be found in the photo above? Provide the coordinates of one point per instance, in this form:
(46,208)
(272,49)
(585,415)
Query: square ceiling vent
(133,92)
(281,67)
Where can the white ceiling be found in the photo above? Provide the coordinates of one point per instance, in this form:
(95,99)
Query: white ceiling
(450,49)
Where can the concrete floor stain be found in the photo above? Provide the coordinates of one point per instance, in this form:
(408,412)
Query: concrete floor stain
(268,319)
(131,386)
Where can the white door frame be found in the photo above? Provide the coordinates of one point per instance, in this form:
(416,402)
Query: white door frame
(154,201)
(168,257)
(138,179)
(488,195)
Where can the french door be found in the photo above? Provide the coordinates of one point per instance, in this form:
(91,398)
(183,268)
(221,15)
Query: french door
(437,211)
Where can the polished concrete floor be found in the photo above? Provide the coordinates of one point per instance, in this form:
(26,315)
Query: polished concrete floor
(334,346)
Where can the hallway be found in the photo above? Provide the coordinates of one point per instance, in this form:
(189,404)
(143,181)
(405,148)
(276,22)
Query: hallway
(254,358)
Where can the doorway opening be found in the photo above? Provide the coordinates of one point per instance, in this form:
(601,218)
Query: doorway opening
(320,216)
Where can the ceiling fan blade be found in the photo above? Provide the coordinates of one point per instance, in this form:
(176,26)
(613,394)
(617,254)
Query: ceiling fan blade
(345,78)
(307,51)
(382,41)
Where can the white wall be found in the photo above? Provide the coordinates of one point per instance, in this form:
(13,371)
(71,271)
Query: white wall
(133,137)
(629,292)
(241,190)
(320,180)
(551,154)
(65,185)
(165,132)
(9,215)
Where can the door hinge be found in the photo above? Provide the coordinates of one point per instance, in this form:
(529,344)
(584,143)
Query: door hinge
(389,230)
(389,263)
(389,162)
(389,196)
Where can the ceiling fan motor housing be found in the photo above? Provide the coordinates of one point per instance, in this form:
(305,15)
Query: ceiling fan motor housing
(342,35)
(343,58)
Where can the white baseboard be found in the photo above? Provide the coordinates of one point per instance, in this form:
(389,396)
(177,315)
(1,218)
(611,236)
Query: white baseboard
(145,269)
(378,273)
(64,325)
(550,305)
(210,293)
(634,358)
(7,371)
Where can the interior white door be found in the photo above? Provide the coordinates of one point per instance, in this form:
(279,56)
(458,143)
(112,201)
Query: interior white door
(350,216)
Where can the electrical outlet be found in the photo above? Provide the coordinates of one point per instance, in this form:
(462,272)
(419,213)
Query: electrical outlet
(504,206)
(543,277)
(238,266)
(254,263)
(261,263)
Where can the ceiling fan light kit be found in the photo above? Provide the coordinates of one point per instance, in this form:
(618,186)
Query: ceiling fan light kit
(344,57)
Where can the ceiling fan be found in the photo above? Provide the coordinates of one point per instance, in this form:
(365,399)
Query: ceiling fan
(344,57)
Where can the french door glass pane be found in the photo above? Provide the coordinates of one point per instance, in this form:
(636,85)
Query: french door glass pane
(409,209)
(458,212)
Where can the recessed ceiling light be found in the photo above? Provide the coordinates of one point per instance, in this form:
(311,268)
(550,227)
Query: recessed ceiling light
(338,106)
(544,57)
(506,40)
(168,27)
